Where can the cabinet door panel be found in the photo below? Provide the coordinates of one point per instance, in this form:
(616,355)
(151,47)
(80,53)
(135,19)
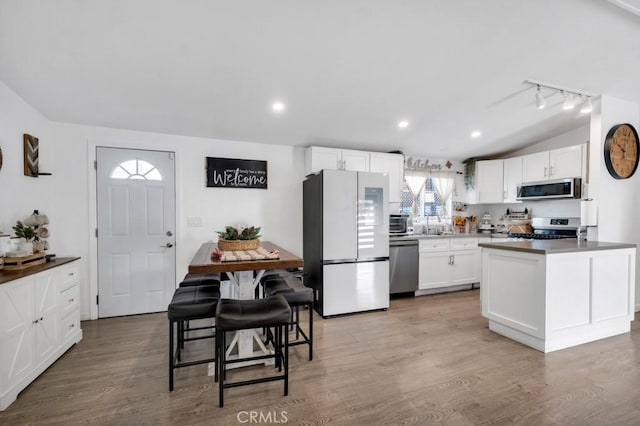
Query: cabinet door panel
(512,178)
(489,181)
(393,165)
(46,330)
(565,162)
(16,323)
(464,269)
(434,270)
(319,158)
(535,167)
(357,161)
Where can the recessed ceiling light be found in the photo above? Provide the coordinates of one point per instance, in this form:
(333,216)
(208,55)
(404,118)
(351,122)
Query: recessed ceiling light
(277,106)
(476,134)
(403,124)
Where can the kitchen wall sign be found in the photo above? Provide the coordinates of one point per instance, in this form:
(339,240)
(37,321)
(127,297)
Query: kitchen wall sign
(30,144)
(236,173)
(622,151)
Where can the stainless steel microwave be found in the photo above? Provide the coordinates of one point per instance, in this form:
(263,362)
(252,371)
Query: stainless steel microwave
(552,189)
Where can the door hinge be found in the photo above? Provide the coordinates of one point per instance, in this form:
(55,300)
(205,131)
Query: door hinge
(96,232)
(95,164)
(97,299)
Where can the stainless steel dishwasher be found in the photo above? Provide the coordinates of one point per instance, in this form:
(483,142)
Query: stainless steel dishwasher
(403,266)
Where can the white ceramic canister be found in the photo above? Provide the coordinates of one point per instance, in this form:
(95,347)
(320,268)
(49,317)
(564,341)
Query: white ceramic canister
(5,244)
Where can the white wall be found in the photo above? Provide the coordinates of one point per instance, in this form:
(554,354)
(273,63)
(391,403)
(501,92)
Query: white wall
(616,201)
(19,194)
(573,137)
(68,150)
(278,209)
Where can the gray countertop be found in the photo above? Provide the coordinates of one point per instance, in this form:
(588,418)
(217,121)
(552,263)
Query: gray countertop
(555,246)
(423,237)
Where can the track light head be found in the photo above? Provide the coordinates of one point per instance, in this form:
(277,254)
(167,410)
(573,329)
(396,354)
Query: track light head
(586,106)
(568,101)
(540,101)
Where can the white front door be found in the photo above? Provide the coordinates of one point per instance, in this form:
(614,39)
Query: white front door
(136,230)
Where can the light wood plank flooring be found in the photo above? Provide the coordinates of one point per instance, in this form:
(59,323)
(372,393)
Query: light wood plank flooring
(428,360)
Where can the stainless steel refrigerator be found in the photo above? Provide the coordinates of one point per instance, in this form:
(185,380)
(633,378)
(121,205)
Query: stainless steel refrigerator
(346,240)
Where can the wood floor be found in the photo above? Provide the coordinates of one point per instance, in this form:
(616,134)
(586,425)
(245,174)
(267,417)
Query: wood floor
(428,360)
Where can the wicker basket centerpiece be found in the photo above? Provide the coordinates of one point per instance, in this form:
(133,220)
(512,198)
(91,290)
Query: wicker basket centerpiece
(239,239)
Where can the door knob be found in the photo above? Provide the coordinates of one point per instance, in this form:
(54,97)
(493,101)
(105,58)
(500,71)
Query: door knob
(168,245)
(169,233)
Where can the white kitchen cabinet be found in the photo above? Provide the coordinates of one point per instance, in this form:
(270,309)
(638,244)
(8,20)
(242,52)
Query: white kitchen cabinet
(33,310)
(318,158)
(393,165)
(446,262)
(512,178)
(489,181)
(559,163)
(565,162)
(555,300)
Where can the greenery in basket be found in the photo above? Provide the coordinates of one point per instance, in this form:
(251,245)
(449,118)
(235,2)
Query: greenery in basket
(25,231)
(232,233)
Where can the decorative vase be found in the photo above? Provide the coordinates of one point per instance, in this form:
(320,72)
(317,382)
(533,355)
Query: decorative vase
(26,247)
(231,245)
(38,246)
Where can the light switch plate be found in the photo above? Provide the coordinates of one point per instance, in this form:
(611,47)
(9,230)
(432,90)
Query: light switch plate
(194,222)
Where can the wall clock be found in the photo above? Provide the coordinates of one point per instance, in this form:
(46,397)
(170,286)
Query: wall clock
(621,151)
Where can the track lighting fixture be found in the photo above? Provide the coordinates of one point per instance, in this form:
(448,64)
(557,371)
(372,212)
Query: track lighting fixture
(540,102)
(570,97)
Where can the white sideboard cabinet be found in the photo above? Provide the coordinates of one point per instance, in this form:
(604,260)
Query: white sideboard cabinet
(39,321)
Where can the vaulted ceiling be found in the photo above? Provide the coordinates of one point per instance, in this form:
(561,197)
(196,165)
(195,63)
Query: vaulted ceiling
(346,70)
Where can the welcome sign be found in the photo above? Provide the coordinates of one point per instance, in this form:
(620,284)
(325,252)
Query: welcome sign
(234,173)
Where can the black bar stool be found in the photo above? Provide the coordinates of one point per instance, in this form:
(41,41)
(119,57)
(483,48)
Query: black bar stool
(235,315)
(189,303)
(297,295)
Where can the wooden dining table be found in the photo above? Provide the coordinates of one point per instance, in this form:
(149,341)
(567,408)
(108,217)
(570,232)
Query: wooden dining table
(245,276)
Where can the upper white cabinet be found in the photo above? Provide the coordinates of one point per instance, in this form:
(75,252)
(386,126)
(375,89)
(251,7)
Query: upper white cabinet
(318,158)
(559,163)
(489,181)
(393,164)
(512,178)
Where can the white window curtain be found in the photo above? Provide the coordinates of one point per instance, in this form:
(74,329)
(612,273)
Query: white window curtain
(443,183)
(415,180)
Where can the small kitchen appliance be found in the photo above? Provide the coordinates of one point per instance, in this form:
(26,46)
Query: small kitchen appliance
(485,226)
(551,228)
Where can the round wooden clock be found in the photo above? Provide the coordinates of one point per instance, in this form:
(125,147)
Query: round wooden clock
(622,151)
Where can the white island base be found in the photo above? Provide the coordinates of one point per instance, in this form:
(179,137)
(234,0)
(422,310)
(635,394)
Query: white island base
(551,300)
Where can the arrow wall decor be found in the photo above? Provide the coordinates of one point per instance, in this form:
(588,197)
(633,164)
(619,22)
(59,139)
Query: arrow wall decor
(30,155)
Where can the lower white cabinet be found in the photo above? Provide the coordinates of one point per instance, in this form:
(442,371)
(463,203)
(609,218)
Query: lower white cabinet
(37,325)
(446,262)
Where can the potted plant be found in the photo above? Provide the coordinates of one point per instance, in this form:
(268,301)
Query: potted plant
(239,239)
(28,233)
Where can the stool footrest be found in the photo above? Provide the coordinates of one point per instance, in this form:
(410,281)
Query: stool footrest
(253,381)
(250,358)
(190,363)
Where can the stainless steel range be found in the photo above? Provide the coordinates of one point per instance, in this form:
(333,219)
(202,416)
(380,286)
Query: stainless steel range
(551,228)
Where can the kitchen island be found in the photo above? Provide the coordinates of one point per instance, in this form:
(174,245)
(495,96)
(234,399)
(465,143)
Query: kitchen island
(554,294)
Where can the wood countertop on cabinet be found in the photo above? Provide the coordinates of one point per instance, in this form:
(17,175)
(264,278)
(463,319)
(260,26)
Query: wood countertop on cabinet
(8,276)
